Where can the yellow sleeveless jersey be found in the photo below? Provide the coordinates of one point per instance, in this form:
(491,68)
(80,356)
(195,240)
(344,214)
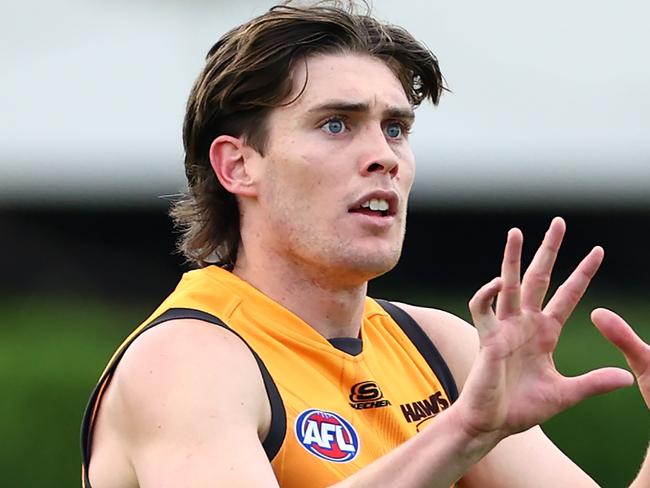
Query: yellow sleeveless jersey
(336,405)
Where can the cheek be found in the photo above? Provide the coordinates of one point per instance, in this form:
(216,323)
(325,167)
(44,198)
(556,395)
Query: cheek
(314,173)
(407,169)
(295,184)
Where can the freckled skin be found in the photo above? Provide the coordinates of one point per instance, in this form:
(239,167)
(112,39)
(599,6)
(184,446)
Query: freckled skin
(310,178)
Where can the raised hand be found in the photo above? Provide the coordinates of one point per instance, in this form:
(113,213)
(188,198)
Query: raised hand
(514,384)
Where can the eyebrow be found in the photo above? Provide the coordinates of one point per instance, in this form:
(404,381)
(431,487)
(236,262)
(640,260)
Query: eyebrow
(360,107)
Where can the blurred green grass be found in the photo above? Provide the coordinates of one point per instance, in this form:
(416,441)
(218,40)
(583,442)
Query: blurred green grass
(53,349)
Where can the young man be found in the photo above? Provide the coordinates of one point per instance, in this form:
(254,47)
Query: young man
(272,367)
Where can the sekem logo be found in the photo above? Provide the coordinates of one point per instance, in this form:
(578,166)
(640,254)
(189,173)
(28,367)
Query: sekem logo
(367,395)
(327,435)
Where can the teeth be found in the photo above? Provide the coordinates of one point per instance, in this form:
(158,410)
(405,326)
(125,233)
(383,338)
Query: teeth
(376,204)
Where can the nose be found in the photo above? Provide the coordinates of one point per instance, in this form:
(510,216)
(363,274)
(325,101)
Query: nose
(378,156)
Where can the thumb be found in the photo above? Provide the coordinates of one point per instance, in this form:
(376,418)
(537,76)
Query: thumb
(595,382)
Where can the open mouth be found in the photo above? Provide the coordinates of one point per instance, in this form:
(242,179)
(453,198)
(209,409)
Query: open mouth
(375,207)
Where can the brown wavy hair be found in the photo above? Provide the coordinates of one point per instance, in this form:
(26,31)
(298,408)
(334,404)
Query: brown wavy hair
(248,73)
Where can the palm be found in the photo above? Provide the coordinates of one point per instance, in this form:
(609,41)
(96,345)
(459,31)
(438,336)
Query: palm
(514,383)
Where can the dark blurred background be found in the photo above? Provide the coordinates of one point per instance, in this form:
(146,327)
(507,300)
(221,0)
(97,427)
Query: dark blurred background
(548,116)
(129,253)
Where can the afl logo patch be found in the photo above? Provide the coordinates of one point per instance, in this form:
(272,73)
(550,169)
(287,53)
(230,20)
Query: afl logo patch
(327,435)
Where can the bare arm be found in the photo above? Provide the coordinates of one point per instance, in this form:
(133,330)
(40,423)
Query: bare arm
(189,405)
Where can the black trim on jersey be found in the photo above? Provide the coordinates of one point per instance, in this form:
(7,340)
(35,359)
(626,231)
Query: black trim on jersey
(86,431)
(349,345)
(277,429)
(424,346)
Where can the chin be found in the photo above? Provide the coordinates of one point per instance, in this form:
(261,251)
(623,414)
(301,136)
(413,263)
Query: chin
(372,265)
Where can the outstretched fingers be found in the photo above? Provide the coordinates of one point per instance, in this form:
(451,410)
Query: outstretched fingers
(537,277)
(567,296)
(508,300)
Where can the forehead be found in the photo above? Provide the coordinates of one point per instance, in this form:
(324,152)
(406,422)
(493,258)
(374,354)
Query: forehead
(355,78)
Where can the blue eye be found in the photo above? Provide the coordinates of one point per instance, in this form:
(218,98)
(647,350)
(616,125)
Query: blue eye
(334,126)
(394,130)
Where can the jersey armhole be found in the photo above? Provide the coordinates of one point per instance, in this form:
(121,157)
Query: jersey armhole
(425,347)
(277,429)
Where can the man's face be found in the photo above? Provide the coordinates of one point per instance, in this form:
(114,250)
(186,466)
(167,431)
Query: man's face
(337,170)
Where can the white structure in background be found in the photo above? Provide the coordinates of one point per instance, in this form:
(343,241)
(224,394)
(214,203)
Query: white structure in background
(551,100)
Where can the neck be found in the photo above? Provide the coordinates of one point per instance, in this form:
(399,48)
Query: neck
(331,308)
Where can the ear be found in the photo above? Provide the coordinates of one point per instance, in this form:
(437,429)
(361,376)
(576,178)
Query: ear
(228,158)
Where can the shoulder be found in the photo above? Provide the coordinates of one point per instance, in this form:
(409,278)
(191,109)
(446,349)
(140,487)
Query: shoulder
(455,339)
(184,385)
(176,365)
